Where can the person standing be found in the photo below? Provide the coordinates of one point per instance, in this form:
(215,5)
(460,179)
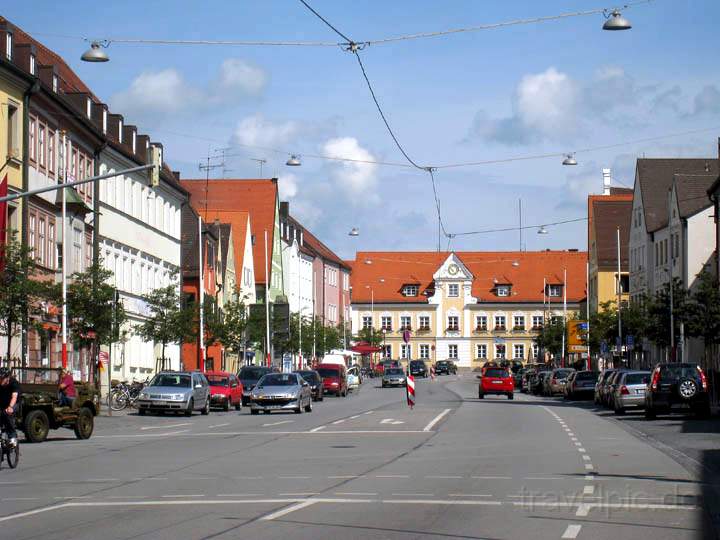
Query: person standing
(9,395)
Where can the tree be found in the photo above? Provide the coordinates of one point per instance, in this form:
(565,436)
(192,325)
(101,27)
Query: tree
(658,313)
(604,323)
(703,313)
(369,336)
(19,295)
(550,337)
(234,336)
(168,321)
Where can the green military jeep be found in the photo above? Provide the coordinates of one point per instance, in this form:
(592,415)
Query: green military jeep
(40,411)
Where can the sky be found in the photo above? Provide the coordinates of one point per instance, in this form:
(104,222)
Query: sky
(527,90)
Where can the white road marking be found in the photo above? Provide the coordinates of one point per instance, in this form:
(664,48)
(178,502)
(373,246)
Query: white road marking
(76,497)
(19,499)
(469,495)
(315,430)
(576,442)
(369,412)
(583,510)
(344,477)
(590,477)
(278,423)
(588,490)
(581,450)
(356,493)
(336,422)
(239,494)
(447,477)
(572,531)
(299,494)
(182,495)
(412,494)
(127,497)
(293,477)
(167,426)
(544,478)
(492,477)
(269,433)
(219,425)
(247,478)
(288,510)
(586,458)
(392,476)
(436,420)
(392,421)
(354,417)
(33,512)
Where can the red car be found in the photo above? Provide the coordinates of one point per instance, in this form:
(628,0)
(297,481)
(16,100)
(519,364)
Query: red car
(496,380)
(225,390)
(334,379)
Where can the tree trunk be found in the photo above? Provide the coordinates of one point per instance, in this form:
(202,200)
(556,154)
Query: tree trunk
(162,358)
(9,325)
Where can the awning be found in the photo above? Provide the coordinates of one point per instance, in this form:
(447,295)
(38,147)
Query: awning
(365,348)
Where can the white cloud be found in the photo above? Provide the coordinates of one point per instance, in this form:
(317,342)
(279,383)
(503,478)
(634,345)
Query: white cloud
(287,186)
(355,178)
(155,92)
(707,100)
(237,75)
(256,130)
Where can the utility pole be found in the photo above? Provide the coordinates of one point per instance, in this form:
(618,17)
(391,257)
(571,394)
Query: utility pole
(619,294)
(267,305)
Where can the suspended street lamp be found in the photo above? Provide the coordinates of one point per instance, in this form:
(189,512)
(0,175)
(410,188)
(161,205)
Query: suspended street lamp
(354,232)
(95,53)
(542,230)
(569,160)
(615,21)
(294,161)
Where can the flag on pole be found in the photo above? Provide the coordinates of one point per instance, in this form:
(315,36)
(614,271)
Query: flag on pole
(410,388)
(3,220)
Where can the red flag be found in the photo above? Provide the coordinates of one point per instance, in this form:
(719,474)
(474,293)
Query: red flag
(3,220)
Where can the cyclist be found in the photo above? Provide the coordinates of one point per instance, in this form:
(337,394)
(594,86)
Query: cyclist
(9,394)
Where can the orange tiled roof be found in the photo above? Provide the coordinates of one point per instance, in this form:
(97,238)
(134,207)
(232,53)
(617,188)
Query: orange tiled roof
(228,199)
(417,267)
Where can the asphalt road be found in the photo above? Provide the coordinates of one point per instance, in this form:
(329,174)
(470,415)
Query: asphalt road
(365,466)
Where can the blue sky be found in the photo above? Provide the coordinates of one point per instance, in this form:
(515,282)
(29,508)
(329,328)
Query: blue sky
(525,90)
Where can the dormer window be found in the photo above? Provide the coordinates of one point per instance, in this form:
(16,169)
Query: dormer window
(8,45)
(55,83)
(88,107)
(410,290)
(554,291)
(104,121)
(120,130)
(32,64)
(502,290)
(134,142)
(453,290)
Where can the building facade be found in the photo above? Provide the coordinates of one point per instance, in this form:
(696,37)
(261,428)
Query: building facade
(468,307)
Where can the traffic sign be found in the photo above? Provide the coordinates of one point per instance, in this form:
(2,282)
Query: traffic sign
(603,347)
(630,342)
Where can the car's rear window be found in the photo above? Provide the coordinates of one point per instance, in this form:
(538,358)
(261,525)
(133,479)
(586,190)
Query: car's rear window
(637,378)
(562,373)
(496,372)
(309,376)
(328,372)
(394,371)
(218,380)
(253,372)
(177,381)
(606,375)
(678,372)
(586,376)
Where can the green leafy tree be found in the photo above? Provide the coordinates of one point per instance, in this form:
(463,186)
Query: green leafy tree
(234,335)
(168,321)
(20,296)
(703,313)
(604,323)
(369,336)
(658,312)
(550,336)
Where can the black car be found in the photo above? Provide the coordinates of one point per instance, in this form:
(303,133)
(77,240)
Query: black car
(418,368)
(677,384)
(445,367)
(314,379)
(249,376)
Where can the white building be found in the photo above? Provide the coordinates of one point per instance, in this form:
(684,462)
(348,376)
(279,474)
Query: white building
(297,262)
(139,233)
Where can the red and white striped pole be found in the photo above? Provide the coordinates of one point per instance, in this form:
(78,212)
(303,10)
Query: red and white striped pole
(410,388)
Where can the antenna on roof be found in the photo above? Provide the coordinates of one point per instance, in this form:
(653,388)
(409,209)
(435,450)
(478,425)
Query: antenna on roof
(207,167)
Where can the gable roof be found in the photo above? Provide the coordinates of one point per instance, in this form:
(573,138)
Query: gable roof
(692,196)
(396,269)
(608,216)
(189,240)
(230,200)
(656,177)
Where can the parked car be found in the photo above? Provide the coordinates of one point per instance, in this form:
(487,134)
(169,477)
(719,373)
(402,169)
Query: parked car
(381,366)
(558,379)
(315,381)
(677,384)
(225,390)
(367,372)
(281,392)
(353,378)
(394,377)
(514,365)
(630,390)
(581,384)
(525,380)
(175,391)
(418,368)
(446,367)
(600,385)
(334,377)
(39,412)
(518,377)
(545,388)
(249,376)
(537,382)
(609,388)
(496,381)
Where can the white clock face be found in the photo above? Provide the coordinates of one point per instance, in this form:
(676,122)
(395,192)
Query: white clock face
(453,269)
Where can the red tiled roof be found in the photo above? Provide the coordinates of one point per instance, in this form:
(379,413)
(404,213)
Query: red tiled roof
(417,267)
(227,199)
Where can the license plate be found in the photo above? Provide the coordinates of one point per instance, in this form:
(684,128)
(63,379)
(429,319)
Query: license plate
(159,402)
(497,382)
(640,391)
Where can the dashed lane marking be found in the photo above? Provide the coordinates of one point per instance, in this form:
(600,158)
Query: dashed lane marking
(166,426)
(572,531)
(219,425)
(288,510)
(435,420)
(589,467)
(586,458)
(319,428)
(583,510)
(278,423)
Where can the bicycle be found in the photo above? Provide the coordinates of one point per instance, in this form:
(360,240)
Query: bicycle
(8,451)
(124,395)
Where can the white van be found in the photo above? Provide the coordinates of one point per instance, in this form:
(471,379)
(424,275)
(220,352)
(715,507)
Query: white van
(335,359)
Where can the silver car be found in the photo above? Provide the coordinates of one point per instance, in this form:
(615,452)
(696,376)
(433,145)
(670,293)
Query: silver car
(630,389)
(175,391)
(393,377)
(281,392)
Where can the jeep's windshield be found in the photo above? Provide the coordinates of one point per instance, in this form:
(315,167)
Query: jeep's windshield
(171,379)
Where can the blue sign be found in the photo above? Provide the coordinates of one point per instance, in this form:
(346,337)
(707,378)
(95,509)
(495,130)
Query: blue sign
(630,342)
(618,343)
(603,347)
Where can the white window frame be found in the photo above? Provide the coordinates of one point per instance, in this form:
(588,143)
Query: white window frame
(411,290)
(518,347)
(537,321)
(500,347)
(453,290)
(502,290)
(481,322)
(405,322)
(366,321)
(9,46)
(554,291)
(424,351)
(405,351)
(453,327)
(386,319)
(515,321)
(453,351)
(420,322)
(481,350)
(497,320)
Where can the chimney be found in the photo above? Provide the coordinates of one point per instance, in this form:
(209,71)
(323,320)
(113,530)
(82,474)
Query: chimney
(176,174)
(130,137)
(607,180)
(143,143)
(284,209)
(99,116)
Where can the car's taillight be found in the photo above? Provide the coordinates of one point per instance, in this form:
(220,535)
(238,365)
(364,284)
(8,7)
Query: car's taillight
(703,379)
(624,391)
(655,379)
